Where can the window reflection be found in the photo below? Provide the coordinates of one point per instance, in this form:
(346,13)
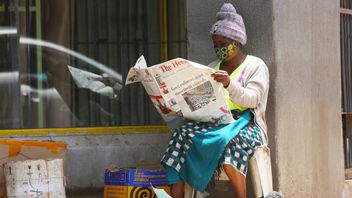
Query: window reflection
(110,34)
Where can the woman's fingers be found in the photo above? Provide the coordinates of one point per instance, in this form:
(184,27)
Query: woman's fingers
(222,77)
(220,74)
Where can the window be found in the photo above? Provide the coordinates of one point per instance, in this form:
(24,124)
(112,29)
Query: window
(96,37)
(346,73)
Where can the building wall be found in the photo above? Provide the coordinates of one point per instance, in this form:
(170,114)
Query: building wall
(201,16)
(308,131)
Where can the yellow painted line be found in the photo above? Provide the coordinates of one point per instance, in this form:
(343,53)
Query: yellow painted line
(38,22)
(86,131)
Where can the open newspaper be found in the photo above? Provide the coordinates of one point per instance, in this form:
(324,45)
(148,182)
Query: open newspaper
(182,90)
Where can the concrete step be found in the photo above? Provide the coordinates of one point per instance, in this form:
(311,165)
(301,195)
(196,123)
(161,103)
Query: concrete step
(85,193)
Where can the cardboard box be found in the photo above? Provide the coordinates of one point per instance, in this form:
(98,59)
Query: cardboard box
(134,182)
(35,178)
(16,150)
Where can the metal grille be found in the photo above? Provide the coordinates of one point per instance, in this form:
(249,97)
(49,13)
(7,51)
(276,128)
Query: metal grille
(116,33)
(346,76)
(346,4)
(346,55)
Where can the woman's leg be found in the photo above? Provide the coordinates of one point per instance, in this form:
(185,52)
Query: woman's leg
(177,190)
(237,179)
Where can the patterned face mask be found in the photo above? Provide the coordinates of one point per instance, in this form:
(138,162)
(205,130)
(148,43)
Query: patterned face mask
(223,53)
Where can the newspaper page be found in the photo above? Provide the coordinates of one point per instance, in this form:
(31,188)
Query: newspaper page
(182,90)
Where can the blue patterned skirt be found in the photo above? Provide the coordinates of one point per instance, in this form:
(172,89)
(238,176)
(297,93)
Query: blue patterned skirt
(197,150)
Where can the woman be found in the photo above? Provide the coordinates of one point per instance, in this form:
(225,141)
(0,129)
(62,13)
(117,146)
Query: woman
(246,82)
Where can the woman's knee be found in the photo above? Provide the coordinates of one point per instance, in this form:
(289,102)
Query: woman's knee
(229,169)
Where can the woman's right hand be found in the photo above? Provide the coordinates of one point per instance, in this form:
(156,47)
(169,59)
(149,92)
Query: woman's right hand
(222,76)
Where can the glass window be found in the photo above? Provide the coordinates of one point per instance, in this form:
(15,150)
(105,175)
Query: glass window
(65,61)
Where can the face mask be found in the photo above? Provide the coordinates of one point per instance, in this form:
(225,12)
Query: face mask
(223,53)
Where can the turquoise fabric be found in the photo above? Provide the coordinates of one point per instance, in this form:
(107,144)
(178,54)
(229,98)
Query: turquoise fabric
(172,176)
(202,158)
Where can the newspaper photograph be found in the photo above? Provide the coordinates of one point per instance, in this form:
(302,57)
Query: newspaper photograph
(182,90)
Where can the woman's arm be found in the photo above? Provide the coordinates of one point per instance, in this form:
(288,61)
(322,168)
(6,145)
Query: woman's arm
(255,87)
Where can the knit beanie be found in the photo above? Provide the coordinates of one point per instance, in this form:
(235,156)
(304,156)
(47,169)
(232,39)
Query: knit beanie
(229,24)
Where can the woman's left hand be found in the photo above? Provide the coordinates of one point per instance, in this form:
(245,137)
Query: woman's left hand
(223,77)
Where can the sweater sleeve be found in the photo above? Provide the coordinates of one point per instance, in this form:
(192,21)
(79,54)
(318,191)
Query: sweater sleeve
(251,94)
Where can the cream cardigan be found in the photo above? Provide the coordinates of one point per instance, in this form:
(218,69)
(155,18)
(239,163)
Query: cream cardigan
(252,91)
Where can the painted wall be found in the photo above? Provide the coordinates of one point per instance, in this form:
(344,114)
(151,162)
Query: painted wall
(257,16)
(308,131)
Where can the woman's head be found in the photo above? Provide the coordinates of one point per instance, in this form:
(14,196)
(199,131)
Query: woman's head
(229,26)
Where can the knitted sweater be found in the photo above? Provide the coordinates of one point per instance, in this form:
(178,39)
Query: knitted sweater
(252,91)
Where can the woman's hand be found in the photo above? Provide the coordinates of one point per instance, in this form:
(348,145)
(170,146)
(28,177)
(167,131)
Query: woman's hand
(222,76)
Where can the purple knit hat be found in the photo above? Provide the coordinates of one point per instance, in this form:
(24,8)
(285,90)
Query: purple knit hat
(229,24)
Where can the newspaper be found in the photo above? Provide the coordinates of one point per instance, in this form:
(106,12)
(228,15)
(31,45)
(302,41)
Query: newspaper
(160,193)
(182,90)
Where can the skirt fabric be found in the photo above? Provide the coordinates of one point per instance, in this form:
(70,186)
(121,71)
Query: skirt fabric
(241,148)
(236,152)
